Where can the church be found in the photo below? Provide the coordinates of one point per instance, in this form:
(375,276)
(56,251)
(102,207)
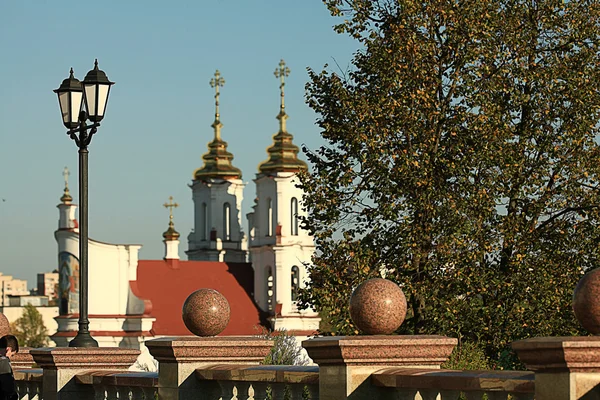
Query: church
(132,300)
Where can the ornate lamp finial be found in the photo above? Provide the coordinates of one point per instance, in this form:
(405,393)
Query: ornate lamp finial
(217,82)
(66,197)
(171,233)
(282,72)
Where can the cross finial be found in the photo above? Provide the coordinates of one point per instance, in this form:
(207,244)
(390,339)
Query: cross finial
(170,205)
(66,197)
(217,82)
(66,174)
(282,72)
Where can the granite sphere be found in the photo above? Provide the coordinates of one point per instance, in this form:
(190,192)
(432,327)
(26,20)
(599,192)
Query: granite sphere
(4,325)
(378,307)
(206,312)
(586,302)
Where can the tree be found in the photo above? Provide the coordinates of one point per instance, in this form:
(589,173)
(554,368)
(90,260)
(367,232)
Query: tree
(461,159)
(285,350)
(30,329)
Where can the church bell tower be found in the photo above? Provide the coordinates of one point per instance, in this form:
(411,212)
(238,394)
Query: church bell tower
(279,247)
(217,191)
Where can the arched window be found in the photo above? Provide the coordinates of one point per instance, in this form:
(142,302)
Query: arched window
(226,221)
(269,217)
(203,222)
(294,215)
(295,282)
(270,292)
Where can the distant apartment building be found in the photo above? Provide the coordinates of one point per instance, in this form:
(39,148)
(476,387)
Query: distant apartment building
(22,301)
(12,287)
(47,284)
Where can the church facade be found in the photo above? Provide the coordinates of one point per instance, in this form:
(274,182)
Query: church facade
(259,273)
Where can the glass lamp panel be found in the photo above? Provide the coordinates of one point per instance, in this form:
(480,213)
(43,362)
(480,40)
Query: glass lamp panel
(63,102)
(76,98)
(102,98)
(90,99)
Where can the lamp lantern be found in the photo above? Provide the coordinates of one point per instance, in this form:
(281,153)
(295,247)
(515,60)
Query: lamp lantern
(70,96)
(97,87)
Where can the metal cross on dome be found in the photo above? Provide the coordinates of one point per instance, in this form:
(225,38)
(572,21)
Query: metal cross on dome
(66,174)
(217,82)
(170,205)
(281,73)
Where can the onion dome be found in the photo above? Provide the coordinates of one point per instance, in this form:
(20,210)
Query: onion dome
(217,162)
(283,153)
(171,233)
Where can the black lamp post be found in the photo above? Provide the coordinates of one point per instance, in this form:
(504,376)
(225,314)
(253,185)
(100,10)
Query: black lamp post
(73,95)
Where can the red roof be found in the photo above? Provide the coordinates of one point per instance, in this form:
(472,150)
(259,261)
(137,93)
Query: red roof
(166,284)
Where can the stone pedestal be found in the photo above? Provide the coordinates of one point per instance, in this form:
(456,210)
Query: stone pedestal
(61,364)
(23,359)
(345,363)
(178,358)
(566,368)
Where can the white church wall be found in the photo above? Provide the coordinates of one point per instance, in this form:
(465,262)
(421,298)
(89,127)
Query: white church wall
(111,267)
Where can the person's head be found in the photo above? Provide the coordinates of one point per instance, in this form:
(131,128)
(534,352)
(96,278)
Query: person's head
(9,345)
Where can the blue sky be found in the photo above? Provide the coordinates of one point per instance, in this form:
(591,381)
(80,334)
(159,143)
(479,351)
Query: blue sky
(161,56)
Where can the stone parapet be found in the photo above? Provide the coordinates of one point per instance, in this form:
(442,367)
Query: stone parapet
(560,354)
(23,359)
(412,351)
(346,363)
(62,364)
(210,350)
(566,368)
(179,357)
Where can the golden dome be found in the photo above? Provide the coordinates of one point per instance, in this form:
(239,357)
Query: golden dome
(283,154)
(217,162)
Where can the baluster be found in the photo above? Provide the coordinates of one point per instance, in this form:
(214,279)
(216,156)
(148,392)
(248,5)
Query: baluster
(124,393)
(150,393)
(278,391)
(36,391)
(407,394)
(112,393)
(296,392)
(243,391)
(430,394)
(137,393)
(313,391)
(450,395)
(100,392)
(22,390)
(227,390)
(33,390)
(259,390)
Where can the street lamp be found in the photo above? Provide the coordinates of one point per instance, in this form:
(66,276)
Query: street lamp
(80,101)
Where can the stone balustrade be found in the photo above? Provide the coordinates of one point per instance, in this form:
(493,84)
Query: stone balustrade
(29,383)
(414,384)
(109,385)
(261,382)
(371,367)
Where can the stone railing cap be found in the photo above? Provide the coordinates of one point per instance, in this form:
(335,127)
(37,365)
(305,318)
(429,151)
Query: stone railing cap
(399,350)
(226,349)
(84,358)
(560,354)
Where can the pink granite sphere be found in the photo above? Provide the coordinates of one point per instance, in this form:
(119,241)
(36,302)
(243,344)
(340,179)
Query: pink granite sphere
(4,325)
(586,302)
(206,312)
(378,307)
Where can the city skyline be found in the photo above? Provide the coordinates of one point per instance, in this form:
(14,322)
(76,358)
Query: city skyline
(158,119)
